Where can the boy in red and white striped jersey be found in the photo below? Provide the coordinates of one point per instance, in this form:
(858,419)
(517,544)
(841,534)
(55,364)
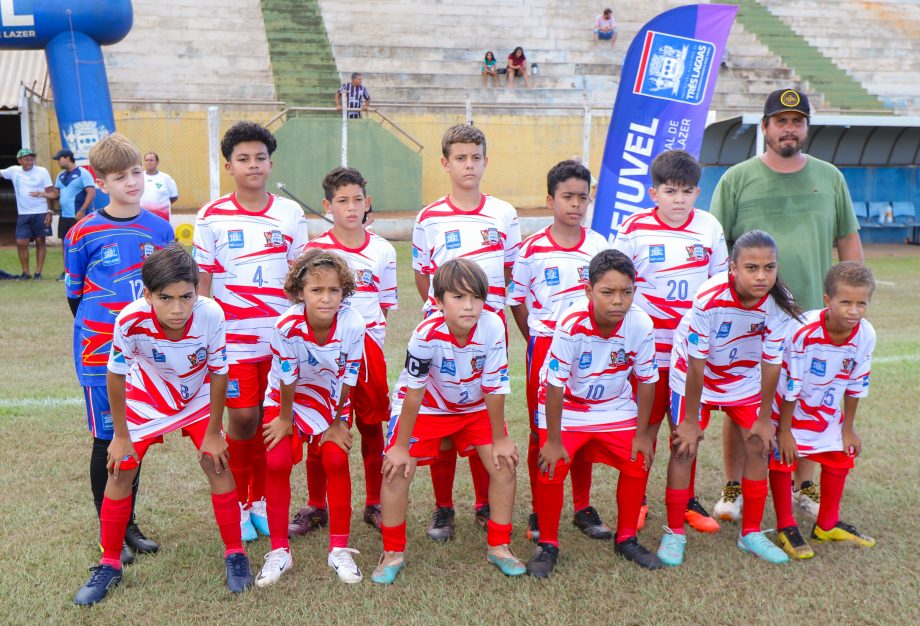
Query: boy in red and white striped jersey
(549,276)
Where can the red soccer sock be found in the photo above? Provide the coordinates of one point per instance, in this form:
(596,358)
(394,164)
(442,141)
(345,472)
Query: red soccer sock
(480,481)
(394,538)
(754,494)
(498,534)
(240,466)
(630,491)
(675,501)
(279,463)
(549,509)
(335,462)
(442,477)
(316,480)
(257,454)
(781,486)
(114,521)
(691,489)
(227,514)
(372,453)
(533,469)
(580,471)
(833,480)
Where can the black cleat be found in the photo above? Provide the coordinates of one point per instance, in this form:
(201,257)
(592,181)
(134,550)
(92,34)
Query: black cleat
(632,550)
(441,528)
(307,519)
(104,578)
(590,523)
(543,561)
(239,575)
(138,543)
(483,513)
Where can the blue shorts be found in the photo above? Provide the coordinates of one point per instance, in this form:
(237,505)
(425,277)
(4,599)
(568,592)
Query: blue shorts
(30,227)
(605,36)
(98,413)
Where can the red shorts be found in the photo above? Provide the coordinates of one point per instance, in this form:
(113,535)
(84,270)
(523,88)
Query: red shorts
(370,397)
(297,438)
(662,402)
(743,415)
(840,460)
(467,431)
(246,383)
(610,448)
(195,432)
(537,349)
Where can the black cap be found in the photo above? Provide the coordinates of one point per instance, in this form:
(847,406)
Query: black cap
(786,100)
(63,152)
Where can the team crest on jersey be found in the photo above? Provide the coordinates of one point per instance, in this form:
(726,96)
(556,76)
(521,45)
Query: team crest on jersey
(551,275)
(158,356)
(449,367)
(147,249)
(656,253)
(583,274)
(618,358)
(311,360)
(584,361)
(110,254)
(490,237)
(452,239)
(477,363)
(849,365)
(758,328)
(198,357)
(235,238)
(273,238)
(364,278)
(818,367)
(724,329)
(697,252)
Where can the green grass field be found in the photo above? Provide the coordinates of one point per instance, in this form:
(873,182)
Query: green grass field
(49,526)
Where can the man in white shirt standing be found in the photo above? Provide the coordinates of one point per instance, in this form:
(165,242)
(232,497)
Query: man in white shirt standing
(160,191)
(30,182)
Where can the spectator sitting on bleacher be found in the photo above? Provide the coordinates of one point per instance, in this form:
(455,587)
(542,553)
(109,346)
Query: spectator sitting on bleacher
(605,28)
(489,70)
(517,66)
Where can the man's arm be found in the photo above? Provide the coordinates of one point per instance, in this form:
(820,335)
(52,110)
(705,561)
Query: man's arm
(520,318)
(338,100)
(849,248)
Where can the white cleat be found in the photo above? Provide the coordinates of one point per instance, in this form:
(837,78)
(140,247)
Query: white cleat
(277,562)
(728,507)
(343,564)
(808,498)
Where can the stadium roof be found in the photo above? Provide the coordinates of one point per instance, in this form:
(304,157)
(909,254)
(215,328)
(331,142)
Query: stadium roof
(17,67)
(844,140)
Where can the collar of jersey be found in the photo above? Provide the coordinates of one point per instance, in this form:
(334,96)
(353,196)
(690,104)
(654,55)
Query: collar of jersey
(737,298)
(162,333)
(367,240)
(549,235)
(262,211)
(827,333)
(311,337)
(595,328)
(668,226)
(482,203)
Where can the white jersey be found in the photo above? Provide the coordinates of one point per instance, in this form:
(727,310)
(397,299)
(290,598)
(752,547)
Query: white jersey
(671,264)
(549,278)
(490,235)
(248,255)
(168,382)
(455,378)
(319,370)
(732,339)
(24,183)
(817,374)
(374,265)
(158,189)
(594,370)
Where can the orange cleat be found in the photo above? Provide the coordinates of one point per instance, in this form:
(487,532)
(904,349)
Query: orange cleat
(699,518)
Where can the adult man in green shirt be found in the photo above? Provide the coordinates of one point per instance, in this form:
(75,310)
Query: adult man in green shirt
(804,203)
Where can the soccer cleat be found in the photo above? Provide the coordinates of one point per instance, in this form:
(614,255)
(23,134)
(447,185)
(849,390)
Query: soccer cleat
(441,528)
(277,562)
(533,528)
(728,507)
(138,543)
(543,561)
(482,515)
(842,532)
(793,544)
(373,516)
(632,550)
(247,530)
(672,546)
(307,519)
(808,498)
(37,276)
(589,522)
(756,543)
(259,517)
(385,574)
(239,575)
(503,558)
(104,578)
(699,518)
(343,564)
(643,513)
(62,277)
(24,276)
